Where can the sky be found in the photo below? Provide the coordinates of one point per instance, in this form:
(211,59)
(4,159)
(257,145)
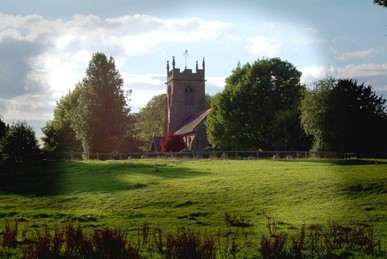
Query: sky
(45,45)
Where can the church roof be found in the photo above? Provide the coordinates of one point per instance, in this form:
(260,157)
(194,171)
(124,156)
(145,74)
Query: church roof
(190,126)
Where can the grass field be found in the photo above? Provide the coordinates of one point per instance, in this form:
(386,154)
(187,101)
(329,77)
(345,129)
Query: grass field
(195,193)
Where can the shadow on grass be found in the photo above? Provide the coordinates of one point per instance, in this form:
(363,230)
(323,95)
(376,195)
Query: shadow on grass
(367,188)
(55,178)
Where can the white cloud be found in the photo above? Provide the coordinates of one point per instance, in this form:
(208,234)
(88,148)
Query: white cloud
(361,54)
(145,87)
(25,107)
(71,41)
(215,84)
(216,81)
(313,73)
(316,72)
(58,50)
(372,74)
(363,70)
(264,46)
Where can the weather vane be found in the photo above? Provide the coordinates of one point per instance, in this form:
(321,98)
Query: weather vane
(185,57)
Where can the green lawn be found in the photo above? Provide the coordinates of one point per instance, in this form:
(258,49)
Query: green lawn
(195,193)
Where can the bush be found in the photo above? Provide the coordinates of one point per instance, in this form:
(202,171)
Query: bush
(334,241)
(189,245)
(10,235)
(72,242)
(172,143)
(314,241)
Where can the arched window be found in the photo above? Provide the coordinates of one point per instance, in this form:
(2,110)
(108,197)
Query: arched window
(189,96)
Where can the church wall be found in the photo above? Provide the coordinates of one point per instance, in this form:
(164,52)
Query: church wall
(186,96)
(200,141)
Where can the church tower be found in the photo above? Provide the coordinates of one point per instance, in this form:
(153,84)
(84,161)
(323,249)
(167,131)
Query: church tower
(185,95)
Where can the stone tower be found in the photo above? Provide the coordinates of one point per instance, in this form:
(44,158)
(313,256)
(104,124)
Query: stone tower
(185,95)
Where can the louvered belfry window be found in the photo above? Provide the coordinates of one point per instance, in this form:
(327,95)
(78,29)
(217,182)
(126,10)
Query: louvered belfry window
(189,96)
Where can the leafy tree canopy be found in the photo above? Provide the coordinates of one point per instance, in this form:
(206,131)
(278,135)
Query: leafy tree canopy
(19,143)
(103,120)
(381,2)
(345,116)
(59,135)
(258,108)
(150,121)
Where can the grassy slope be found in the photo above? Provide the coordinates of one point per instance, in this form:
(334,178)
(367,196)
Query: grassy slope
(196,193)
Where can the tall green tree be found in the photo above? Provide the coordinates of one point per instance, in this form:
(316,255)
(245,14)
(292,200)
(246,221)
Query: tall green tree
(19,144)
(345,116)
(59,136)
(150,121)
(258,99)
(103,121)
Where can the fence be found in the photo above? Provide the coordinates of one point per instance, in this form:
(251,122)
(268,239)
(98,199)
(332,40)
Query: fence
(215,154)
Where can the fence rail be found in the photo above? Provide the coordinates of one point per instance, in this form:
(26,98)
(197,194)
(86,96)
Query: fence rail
(216,154)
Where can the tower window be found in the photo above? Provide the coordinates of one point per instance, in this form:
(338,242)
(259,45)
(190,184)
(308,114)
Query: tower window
(189,96)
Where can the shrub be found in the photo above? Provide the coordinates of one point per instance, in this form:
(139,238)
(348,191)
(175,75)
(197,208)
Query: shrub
(273,246)
(189,245)
(335,241)
(315,241)
(10,235)
(72,242)
(172,143)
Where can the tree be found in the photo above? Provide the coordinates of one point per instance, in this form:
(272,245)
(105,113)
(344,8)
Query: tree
(102,116)
(3,129)
(19,144)
(345,116)
(381,2)
(59,136)
(257,99)
(150,121)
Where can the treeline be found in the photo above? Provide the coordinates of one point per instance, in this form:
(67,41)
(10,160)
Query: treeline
(264,106)
(18,143)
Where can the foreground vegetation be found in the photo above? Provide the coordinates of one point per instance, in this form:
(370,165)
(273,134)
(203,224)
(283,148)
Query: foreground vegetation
(71,241)
(210,196)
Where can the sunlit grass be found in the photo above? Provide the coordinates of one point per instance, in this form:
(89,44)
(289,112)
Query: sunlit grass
(197,194)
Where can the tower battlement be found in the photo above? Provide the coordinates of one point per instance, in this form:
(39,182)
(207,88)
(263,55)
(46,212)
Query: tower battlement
(186,74)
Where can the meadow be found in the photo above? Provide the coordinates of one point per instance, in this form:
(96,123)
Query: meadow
(196,193)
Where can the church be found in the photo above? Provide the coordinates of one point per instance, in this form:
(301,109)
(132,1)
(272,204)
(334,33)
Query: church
(186,109)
